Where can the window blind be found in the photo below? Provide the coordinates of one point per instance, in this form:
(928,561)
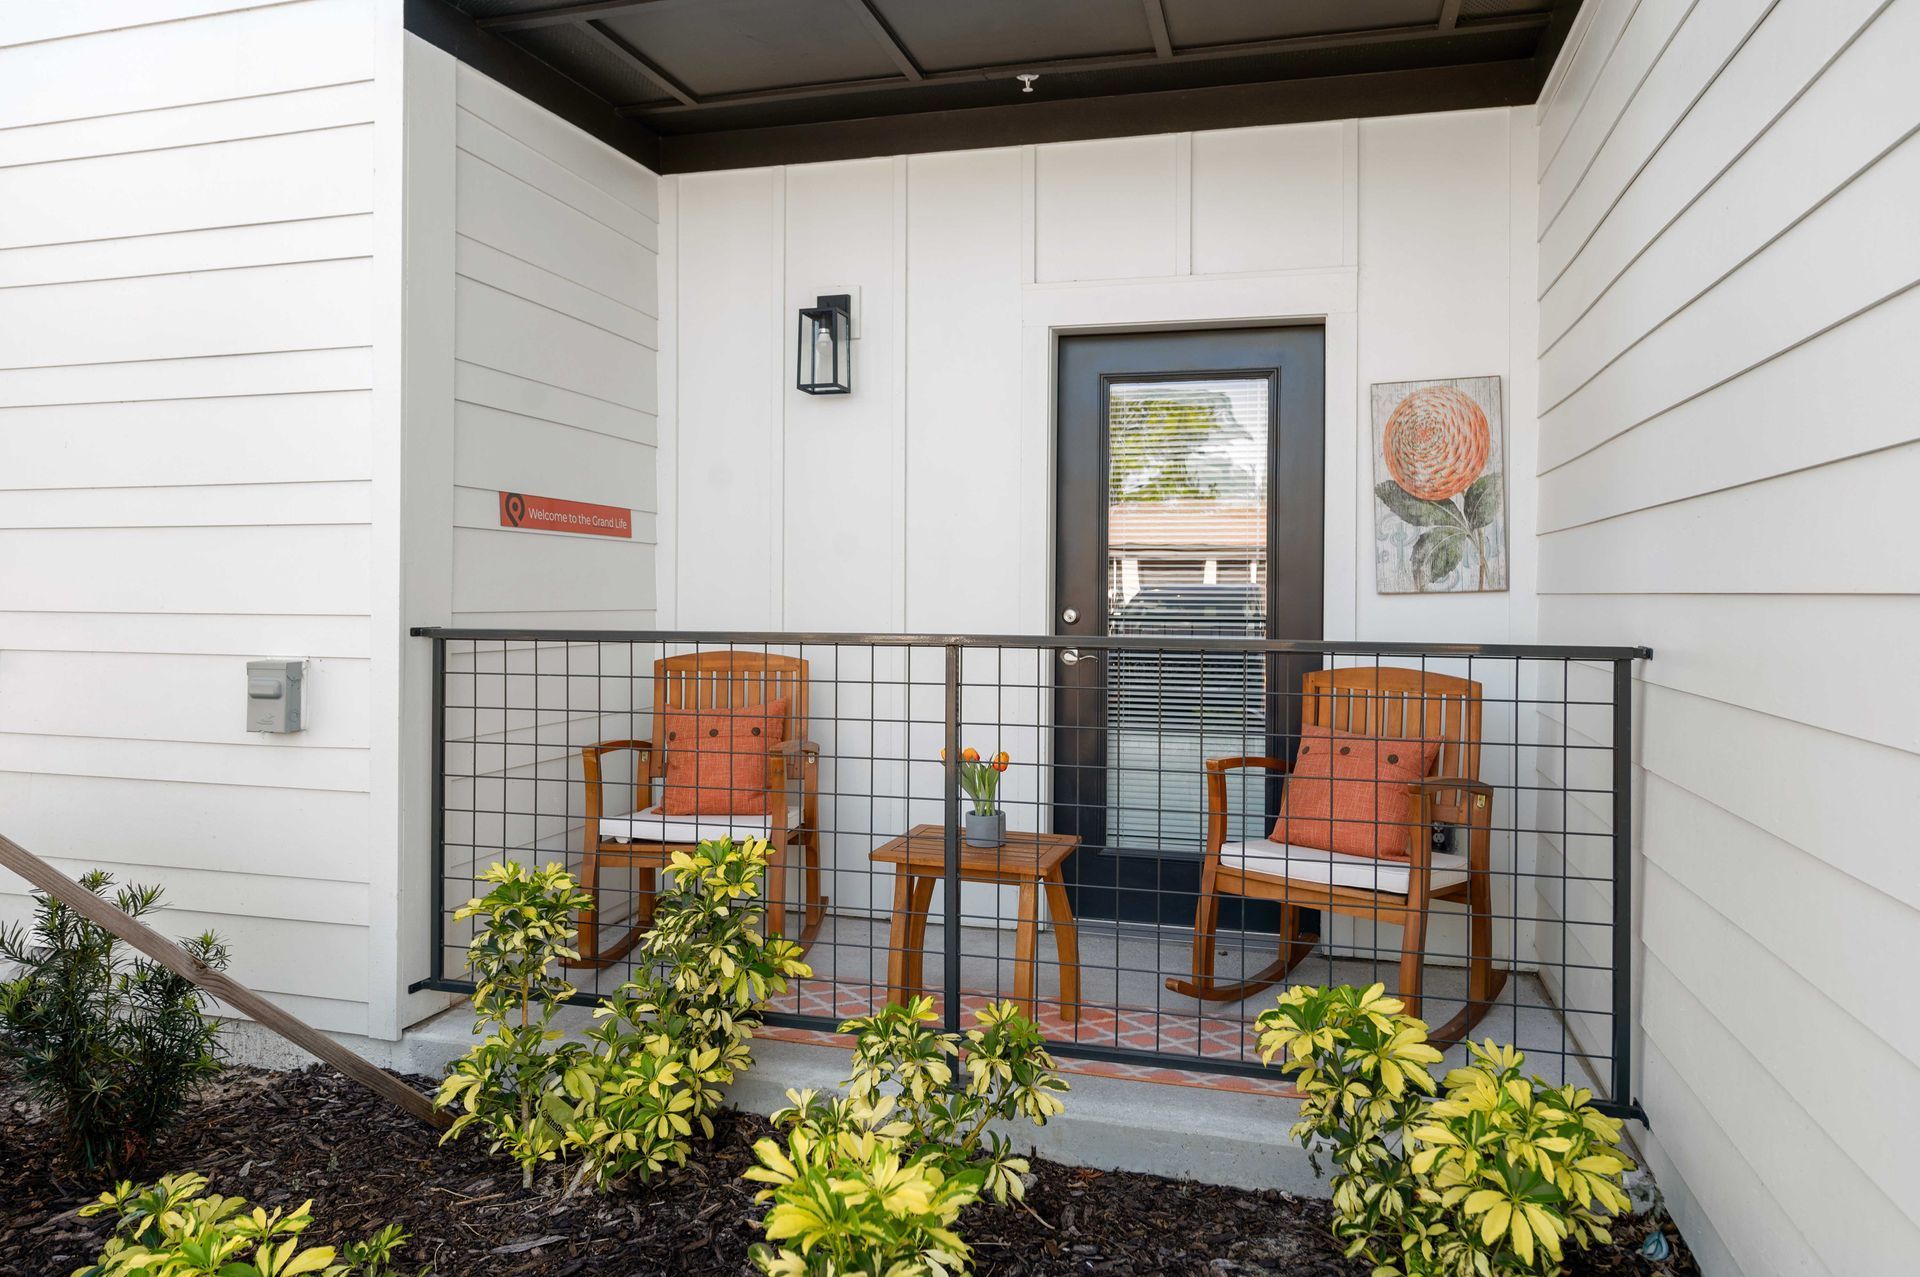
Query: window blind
(1187,527)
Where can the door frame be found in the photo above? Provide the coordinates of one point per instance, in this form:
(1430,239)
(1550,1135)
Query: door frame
(1328,297)
(1308,628)
(1291,359)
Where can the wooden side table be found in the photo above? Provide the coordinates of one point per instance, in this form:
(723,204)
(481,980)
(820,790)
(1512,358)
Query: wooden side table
(1028,861)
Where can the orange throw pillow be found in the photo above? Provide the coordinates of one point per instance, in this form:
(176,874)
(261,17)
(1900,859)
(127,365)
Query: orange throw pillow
(717,758)
(1348,793)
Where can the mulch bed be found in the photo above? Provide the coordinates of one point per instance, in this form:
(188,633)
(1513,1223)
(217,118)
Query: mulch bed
(279,1138)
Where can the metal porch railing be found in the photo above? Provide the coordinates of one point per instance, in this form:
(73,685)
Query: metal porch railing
(1108,742)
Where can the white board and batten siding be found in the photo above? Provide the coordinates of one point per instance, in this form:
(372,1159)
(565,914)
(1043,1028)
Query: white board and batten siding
(1728,453)
(920,503)
(874,511)
(186,210)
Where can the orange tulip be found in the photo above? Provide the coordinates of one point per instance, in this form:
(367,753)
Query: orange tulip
(970,755)
(1000,761)
(943,753)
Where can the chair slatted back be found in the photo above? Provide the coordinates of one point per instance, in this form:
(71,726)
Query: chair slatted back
(1392,703)
(728,679)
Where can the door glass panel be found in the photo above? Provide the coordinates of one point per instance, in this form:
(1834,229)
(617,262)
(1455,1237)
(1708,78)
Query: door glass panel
(1187,556)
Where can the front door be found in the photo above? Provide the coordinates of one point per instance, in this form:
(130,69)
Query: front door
(1189,474)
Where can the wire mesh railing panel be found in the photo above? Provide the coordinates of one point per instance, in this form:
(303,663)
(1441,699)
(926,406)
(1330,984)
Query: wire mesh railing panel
(1140,838)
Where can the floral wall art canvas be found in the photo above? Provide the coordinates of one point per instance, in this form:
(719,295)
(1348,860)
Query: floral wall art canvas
(1440,491)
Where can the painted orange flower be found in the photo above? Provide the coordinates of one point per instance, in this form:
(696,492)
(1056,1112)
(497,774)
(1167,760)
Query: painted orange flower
(1436,443)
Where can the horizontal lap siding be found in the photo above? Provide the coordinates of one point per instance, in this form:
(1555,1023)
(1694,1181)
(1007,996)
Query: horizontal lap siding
(1728,456)
(556,390)
(186,211)
(556,327)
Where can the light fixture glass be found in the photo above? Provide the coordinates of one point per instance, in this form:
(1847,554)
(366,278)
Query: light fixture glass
(823,364)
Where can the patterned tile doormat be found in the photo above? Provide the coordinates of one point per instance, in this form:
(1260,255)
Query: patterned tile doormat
(1131,1028)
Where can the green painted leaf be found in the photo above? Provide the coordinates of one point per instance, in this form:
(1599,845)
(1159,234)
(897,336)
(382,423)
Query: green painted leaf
(1483,501)
(1437,553)
(1421,514)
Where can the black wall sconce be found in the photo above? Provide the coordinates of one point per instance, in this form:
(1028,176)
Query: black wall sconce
(824,365)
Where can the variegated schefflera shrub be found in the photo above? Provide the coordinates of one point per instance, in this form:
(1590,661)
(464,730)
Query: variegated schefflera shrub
(625,1103)
(679,1031)
(872,1183)
(176,1228)
(515,1083)
(1489,1174)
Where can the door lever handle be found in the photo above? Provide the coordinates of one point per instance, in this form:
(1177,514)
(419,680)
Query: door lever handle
(1068,656)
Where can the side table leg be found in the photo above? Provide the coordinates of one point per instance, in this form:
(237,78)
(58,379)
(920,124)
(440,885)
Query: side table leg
(1066,941)
(915,982)
(1026,942)
(899,935)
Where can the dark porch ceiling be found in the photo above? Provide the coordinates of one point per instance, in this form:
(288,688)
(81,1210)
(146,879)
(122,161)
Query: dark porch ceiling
(683,85)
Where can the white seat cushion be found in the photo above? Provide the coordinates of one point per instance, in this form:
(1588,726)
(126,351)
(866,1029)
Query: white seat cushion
(654,825)
(1310,864)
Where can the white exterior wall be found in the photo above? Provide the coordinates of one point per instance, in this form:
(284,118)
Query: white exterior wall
(285,298)
(1411,238)
(1728,453)
(531,368)
(555,306)
(188,280)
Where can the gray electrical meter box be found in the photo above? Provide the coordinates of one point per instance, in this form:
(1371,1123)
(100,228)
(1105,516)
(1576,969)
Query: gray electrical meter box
(275,692)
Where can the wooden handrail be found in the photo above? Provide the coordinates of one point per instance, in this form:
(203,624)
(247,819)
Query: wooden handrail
(221,985)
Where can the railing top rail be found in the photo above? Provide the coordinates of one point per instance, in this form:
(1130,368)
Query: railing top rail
(1123,643)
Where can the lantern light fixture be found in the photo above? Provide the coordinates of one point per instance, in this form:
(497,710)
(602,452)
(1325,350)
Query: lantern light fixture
(823,364)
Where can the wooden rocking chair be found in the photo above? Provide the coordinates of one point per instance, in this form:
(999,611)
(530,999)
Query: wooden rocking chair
(1385,703)
(645,839)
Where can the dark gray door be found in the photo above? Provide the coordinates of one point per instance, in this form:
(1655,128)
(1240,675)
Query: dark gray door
(1190,471)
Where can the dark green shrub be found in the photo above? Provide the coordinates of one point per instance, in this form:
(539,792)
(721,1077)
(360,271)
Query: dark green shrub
(111,1043)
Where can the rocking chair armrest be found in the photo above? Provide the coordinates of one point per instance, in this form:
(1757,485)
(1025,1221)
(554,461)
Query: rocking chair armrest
(590,756)
(1221,766)
(790,754)
(1428,810)
(1217,769)
(794,759)
(601,748)
(1480,812)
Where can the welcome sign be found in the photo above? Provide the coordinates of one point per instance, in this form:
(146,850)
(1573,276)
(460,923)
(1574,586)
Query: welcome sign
(551,514)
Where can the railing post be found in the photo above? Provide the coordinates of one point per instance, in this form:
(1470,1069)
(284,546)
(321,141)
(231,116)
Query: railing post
(1623,889)
(950,930)
(437,889)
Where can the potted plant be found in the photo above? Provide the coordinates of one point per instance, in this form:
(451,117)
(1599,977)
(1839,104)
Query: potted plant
(986,824)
